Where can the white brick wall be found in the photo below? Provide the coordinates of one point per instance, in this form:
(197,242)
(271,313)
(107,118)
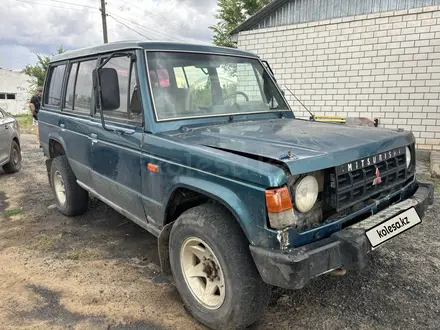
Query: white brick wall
(385,66)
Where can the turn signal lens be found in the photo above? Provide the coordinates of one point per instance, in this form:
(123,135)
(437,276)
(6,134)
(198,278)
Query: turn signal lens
(278,200)
(153,168)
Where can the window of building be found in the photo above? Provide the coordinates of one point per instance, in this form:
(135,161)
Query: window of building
(84,100)
(2,96)
(130,109)
(10,96)
(53,95)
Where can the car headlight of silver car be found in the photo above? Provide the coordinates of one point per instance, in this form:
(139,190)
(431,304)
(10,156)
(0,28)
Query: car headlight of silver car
(408,157)
(306,193)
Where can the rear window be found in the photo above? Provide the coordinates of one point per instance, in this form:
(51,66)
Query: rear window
(55,83)
(79,91)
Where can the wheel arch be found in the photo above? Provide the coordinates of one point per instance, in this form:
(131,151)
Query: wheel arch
(16,140)
(57,146)
(216,194)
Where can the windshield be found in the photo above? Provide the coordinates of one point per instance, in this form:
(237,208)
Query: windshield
(187,85)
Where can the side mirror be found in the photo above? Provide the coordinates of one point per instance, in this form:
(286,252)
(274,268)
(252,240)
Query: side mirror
(106,84)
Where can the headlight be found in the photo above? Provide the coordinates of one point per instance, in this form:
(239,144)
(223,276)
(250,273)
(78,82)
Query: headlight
(306,193)
(408,157)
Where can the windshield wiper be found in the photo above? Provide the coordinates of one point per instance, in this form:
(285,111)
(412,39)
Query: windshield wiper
(312,116)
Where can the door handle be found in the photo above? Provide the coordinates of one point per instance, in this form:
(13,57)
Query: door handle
(7,126)
(62,125)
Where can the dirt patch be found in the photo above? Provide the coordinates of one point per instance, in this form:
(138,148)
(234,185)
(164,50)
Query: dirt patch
(100,271)
(96,271)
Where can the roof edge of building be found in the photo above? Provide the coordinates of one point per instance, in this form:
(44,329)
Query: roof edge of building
(258,16)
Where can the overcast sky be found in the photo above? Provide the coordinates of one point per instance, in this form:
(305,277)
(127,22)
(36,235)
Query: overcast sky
(41,26)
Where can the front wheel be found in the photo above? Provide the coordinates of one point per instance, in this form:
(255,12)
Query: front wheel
(213,269)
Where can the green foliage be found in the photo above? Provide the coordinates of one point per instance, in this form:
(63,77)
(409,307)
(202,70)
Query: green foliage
(232,13)
(39,70)
(24,122)
(11,213)
(202,96)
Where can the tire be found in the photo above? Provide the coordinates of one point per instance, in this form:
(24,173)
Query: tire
(245,294)
(76,199)
(14,164)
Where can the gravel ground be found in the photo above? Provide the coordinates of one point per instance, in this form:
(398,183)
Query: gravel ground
(100,271)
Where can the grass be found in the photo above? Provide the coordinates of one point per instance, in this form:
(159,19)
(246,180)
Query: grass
(78,254)
(25,122)
(45,244)
(11,213)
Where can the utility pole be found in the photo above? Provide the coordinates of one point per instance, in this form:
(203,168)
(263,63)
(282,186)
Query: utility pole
(104,21)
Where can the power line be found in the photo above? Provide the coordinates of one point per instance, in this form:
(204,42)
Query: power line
(50,5)
(153,14)
(146,28)
(154,22)
(72,4)
(109,15)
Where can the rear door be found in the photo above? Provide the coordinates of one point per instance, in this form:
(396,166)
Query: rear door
(65,114)
(115,166)
(76,119)
(4,139)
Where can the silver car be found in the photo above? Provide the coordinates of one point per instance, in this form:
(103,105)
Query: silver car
(10,152)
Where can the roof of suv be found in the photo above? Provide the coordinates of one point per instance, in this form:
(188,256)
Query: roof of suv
(150,45)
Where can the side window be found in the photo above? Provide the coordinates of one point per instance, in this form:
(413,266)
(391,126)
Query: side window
(83,99)
(70,91)
(130,109)
(53,95)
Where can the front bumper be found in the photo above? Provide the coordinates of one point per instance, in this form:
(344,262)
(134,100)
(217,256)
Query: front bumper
(348,248)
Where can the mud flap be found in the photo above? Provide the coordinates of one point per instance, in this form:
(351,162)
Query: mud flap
(48,166)
(163,248)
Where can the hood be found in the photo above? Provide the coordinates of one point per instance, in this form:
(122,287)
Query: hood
(310,145)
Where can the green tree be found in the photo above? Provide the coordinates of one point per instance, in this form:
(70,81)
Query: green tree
(232,13)
(39,70)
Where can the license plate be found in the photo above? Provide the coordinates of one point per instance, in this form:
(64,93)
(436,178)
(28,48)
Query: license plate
(392,227)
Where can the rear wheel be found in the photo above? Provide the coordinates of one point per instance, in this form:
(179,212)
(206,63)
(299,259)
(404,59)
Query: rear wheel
(14,164)
(70,197)
(213,269)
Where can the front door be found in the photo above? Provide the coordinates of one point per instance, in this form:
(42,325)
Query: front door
(116,153)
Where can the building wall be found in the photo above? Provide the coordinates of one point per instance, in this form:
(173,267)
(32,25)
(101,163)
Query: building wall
(383,65)
(17,83)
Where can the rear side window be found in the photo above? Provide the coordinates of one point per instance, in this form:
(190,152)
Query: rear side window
(70,92)
(83,99)
(53,94)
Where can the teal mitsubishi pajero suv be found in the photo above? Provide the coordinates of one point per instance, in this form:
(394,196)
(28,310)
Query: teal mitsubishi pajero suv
(197,144)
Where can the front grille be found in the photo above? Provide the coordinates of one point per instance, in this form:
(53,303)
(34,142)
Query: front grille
(359,181)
